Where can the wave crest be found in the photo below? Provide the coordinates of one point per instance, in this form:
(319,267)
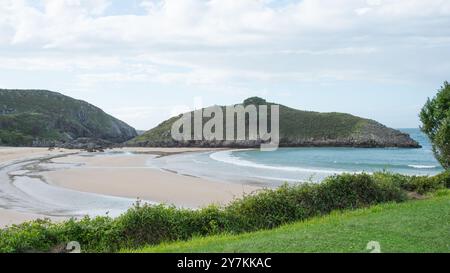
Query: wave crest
(422,166)
(229,158)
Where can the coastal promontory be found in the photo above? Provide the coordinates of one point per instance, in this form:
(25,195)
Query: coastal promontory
(297,129)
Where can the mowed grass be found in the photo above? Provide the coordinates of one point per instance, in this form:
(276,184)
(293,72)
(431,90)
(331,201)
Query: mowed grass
(414,226)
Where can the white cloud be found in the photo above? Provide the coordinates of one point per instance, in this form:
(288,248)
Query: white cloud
(72,23)
(234,47)
(58,63)
(334,51)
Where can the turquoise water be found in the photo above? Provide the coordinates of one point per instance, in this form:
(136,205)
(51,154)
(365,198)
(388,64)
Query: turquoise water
(304,164)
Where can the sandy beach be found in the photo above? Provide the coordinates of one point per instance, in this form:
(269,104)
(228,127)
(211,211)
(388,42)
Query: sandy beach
(120,173)
(129,176)
(8,156)
(10,217)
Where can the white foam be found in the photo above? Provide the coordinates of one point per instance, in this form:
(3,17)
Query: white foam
(229,158)
(271,178)
(422,166)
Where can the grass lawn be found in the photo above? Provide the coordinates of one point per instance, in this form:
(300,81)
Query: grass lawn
(414,226)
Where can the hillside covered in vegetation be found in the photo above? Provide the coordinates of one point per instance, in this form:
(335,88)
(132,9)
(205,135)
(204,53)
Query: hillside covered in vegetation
(297,129)
(45,118)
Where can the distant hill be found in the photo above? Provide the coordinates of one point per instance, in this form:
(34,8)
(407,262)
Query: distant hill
(140,132)
(45,118)
(297,129)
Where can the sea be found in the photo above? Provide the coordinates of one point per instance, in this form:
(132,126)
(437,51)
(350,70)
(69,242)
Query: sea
(296,165)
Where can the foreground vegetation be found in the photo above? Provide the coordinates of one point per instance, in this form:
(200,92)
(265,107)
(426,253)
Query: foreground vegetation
(414,226)
(151,225)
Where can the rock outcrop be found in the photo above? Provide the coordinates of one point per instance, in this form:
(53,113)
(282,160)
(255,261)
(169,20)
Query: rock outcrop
(297,129)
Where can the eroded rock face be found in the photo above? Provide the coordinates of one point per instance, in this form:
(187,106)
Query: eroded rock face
(376,134)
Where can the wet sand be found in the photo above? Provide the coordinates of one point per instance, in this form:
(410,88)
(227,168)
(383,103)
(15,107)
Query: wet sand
(119,173)
(8,156)
(129,176)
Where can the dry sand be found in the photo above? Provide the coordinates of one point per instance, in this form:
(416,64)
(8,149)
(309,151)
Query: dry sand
(8,155)
(11,217)
(129,176)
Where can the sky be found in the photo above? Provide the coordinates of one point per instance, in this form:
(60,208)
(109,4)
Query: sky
(144,61)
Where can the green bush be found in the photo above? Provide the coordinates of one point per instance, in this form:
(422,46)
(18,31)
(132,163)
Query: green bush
(146,224)
(43,235)
(419,184)
(94,234)
(444,177)
(435,117)
(153,224)
(267,209)
(36,236)
(272,208)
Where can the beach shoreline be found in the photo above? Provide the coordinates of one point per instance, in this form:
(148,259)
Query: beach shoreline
(15,155)
(106,175)
(121,173)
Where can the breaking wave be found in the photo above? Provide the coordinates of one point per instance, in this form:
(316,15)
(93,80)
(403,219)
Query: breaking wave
(229,158)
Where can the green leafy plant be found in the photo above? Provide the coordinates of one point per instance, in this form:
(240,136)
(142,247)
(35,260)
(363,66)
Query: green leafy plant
(435,117)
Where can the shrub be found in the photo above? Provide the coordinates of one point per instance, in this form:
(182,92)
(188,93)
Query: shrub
(272,208)
(94,234)
(444,177)
(267,209)
(209,221)
(419,184)
(354,191)
(422,184)
(34,236)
